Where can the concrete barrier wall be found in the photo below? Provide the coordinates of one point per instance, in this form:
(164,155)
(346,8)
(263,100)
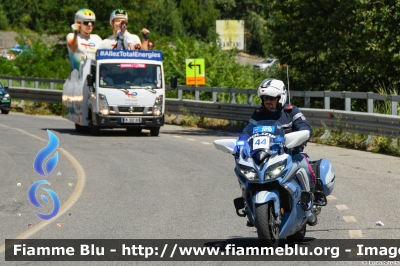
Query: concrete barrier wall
(7,40)
(243,59)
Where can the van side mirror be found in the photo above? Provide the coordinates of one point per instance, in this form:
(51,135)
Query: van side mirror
(89,81)
(6,87)
(174,82)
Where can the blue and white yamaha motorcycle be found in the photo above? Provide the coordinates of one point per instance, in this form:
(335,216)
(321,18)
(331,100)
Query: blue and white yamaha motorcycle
(275,189)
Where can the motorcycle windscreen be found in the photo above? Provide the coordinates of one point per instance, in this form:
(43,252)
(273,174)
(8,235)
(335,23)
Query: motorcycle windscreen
(263,134)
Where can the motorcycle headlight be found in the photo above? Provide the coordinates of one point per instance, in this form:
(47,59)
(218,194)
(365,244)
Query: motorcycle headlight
(275,170)
(248,172)
(103,105)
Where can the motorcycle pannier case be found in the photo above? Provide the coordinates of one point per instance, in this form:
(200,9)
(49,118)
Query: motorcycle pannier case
(324,171)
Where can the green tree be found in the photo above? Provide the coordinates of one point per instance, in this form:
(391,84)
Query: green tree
(199,18)
(336,45)
(255,15)
(39,60)
(165,19)
(3,18)
(221,67)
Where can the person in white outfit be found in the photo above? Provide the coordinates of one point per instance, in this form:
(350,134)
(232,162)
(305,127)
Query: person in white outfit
(125,40)
(117,16)
(81,43)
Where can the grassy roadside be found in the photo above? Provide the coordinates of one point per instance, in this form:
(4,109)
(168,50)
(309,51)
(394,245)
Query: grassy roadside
(35,108)
(323,135)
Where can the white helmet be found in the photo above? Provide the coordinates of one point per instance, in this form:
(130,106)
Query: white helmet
(85,15)
(118,13)
(273,88)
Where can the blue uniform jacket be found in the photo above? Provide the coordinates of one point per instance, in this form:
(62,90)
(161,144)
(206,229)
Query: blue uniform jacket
(289,116)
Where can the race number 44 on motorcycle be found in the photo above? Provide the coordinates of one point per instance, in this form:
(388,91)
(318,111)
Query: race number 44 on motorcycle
(275,189)
(277,197)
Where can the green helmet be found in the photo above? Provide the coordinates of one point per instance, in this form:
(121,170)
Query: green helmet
(118,13)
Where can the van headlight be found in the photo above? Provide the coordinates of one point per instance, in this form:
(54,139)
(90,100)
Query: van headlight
(158,104)
(275,170)
(103,105)
(6,96)
(248,172)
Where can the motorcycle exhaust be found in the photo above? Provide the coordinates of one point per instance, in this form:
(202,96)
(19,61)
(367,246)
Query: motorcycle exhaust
(317,210)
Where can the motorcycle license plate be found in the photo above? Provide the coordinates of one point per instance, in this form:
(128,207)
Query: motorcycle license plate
(131,120)
(261,142)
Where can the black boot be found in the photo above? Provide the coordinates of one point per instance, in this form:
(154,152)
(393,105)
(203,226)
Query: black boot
(249,224)
(312,220)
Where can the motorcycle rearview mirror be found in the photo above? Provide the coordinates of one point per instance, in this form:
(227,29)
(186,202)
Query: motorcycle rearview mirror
(174,82)
(226,145)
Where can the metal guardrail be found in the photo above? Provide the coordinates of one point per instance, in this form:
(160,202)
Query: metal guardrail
(39,95)
(364,123)
(307,95)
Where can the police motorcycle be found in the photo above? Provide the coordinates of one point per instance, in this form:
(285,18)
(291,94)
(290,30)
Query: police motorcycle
(276,195)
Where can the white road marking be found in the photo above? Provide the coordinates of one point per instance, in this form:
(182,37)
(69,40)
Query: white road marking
(342,207)
(191,139)
(350,219)
(330,197)
(355,233)
(206,143)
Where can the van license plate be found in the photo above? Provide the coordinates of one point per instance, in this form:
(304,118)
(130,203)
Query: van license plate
(131,120)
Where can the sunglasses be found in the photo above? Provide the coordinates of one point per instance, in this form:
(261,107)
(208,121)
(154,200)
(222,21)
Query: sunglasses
(87,23)
(269,98)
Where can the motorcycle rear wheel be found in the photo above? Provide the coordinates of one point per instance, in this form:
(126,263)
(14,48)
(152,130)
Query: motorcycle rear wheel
(267,229)
(299,235)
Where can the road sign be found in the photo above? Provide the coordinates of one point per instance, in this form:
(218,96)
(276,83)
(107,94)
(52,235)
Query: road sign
(195,72)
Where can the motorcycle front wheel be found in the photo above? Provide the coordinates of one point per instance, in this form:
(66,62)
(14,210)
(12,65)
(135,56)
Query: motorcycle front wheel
(267,229)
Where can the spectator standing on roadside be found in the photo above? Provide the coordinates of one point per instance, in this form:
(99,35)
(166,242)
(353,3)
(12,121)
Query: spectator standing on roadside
(81,43)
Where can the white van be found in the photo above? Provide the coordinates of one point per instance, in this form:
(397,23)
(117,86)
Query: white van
(132,96)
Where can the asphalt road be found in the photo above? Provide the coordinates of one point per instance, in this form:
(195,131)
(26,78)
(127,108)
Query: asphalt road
(175,186)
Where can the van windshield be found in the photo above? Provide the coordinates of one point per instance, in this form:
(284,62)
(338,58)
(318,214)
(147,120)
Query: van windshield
(130,75)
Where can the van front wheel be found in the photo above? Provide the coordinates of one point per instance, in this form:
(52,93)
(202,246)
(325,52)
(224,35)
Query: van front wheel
(154,131)
(94,130)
